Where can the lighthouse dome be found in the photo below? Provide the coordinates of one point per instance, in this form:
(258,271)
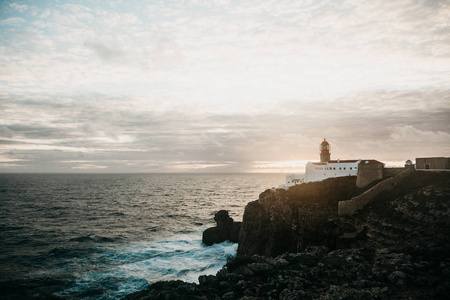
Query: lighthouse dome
(324,146)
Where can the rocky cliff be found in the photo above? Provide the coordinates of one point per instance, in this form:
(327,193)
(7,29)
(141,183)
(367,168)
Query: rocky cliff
(401,250)
(290,220)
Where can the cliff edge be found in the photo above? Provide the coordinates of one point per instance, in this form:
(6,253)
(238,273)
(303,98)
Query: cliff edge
(290,220)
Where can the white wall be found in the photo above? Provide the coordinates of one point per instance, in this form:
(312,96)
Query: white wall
(329,170)
(292,179)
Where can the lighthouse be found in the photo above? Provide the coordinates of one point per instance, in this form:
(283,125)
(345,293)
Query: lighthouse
(327,168)
(324,151)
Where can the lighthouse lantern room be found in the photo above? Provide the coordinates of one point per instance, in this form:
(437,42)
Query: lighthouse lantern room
(324,151)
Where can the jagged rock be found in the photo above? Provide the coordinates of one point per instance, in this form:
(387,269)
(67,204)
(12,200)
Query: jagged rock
(229,295)
(207,279)
(226,230)
(398,278)
(287,294)
(260,267)
(245,271)
(169,290)
(289,221)
(280,262)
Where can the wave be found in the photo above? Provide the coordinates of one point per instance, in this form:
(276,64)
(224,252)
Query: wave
(133,266)
(6,227)
(67,252)
(117,214)
(93,238)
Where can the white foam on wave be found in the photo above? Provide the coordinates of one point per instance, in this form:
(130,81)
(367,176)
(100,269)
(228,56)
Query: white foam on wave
(182,257)
(129,268)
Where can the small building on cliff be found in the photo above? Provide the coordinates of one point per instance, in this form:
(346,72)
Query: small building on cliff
(433,163)
(317,171)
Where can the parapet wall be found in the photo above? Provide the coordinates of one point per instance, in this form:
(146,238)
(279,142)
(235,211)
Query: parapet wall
(368,173)
(350,206)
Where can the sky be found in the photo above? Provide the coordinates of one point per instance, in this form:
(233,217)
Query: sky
(221,86)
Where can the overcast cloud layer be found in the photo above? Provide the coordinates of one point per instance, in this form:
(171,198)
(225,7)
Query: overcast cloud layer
(220,86)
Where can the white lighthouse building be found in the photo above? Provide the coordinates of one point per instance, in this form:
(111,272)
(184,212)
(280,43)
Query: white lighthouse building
(326,168)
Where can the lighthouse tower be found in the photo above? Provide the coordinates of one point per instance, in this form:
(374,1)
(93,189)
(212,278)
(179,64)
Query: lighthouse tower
(324,151)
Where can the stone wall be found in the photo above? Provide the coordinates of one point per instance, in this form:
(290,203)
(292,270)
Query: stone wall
(368,173)
(350,206)
(433,163)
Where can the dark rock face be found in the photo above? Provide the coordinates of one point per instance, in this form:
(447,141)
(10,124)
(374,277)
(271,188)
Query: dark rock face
(226,230)
(171,290)
(289,221)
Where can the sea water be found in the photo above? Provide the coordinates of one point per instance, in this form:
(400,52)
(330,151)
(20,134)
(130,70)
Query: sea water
(103,236)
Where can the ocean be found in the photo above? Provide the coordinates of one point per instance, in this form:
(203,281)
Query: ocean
(103,236)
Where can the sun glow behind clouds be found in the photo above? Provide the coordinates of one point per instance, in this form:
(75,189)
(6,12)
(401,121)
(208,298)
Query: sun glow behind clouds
(297,166)
(221,86)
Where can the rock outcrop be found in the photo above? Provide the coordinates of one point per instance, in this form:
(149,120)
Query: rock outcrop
(226,230)
(289,221)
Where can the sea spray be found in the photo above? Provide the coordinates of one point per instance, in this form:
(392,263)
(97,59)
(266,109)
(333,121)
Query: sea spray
(121,270)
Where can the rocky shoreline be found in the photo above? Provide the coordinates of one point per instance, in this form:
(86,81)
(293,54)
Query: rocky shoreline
(292,245)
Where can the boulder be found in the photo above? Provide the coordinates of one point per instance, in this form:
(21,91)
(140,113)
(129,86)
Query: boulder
(226,230)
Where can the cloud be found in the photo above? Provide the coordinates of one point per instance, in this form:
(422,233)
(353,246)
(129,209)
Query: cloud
(19,7)
(46,13)
(88,167)
(112,130)
(408,134)
(105,52)
(214,86)
(14,21)
(288,49)
(6,132)
(165,54)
